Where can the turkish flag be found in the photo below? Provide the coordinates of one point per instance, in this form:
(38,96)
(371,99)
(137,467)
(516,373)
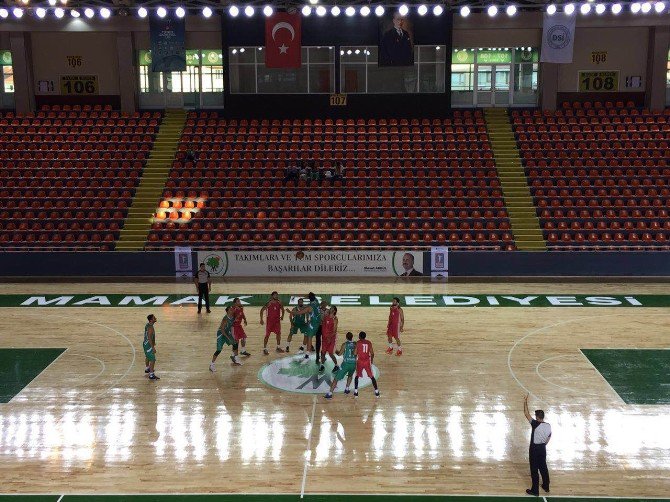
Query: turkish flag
(282,41)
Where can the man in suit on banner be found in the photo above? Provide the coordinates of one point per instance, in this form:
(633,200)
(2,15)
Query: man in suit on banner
(396,48)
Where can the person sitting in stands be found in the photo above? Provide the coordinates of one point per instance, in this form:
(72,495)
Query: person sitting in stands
(327,175)
(190,154)
(292,173)
(339,172)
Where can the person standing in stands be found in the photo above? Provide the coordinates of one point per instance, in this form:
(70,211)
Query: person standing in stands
(537,452)
(203,283)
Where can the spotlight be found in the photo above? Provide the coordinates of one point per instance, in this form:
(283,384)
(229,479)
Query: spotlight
(492,11)
(379,11)
(616,8)
(357,51)
(551,9)
(335,11)
(321,11)
(465,11)
(234,51)
(349,52)
(438,10)
(40,12)
(18,12)
(422,10)
(142,12)
(635,7)
(511,10)
(350,11)
(207,12)
(233,11)
(4,13)
(314,2)
(365,11)
(105,13)
(585,8)
(646,8)
(89,13)
(249,11)
(59,12)
(268,11)
(659,7)
(53,2)
(180,12)
(600,8)
(75,13)
(403,10)
(569,9)
(306,10)
(242,49)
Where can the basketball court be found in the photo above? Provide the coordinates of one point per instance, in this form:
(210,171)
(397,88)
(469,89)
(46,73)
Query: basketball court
(78,416)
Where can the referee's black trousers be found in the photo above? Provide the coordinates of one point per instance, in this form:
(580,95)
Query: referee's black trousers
(318,345)
(203,291)
(537,455)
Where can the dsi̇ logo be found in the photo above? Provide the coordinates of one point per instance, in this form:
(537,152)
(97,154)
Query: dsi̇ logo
(558,37)
(296,374)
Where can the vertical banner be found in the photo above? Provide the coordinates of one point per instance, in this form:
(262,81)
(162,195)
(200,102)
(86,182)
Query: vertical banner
(168,52)
(558,38)
(439,262)
(396,41)
(283,41)
(183,262)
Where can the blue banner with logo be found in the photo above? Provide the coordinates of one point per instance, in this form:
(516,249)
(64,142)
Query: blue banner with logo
(168,52)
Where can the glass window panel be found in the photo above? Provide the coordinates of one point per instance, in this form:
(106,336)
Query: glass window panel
(431,77)
(392,79)
(484,78)
(150,82)
(321,55)
(432,53)
(462,77)
(526,84)
(357,55)
(8,78)
(212,79)
(282,80)
(242,79)
(239,55)
(502,78)
(352,78)
(321,78)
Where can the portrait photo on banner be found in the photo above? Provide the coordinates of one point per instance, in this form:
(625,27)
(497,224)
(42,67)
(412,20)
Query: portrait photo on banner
(408,263)
(396,40)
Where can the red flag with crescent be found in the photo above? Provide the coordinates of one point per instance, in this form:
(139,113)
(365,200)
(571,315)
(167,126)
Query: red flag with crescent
(283,41)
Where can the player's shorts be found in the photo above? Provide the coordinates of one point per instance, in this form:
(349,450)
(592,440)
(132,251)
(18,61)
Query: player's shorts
(392,331)
(303,328)
(273,327)
(312,330)
(328,345)
(223,339)
(364,366)
(238,333)
(149,352)
(346,370)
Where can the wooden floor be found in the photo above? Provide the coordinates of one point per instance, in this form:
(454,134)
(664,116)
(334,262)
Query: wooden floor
(449,420)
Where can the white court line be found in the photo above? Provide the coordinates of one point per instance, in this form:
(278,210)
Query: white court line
(545,499)
(569,389)
(603,378)
(308,453)
(61,498)
(538,330)
(102,363)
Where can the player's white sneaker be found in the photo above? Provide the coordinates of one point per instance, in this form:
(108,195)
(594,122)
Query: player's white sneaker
(212,368)
(377,393)
(355,393)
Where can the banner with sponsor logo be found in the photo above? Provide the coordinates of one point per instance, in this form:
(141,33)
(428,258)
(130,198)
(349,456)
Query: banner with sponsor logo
(168,52)
(183,261)
(313,263)
(439,262)
(218,299)
(558,38)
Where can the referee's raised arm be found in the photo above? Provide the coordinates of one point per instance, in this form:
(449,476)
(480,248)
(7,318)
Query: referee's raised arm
(526,411)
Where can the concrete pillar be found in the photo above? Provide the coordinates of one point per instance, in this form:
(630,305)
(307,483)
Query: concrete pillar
(128,81)
(22,61)
(657,59)
(549,86)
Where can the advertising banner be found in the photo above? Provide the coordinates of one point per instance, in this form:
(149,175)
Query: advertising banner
(313,263)
(439,262)
(183,262)
(558,38)
(168,52)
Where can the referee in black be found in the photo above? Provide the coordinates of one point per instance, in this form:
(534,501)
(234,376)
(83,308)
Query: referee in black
(203,282)
(537,452)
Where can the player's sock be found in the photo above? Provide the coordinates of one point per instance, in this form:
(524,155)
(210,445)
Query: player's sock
(377,393)
(356,393)
(212,368)
(329,395)
(146,370)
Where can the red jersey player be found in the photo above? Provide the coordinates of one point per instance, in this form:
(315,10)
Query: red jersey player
(275,311)
(364,357)
(328,336)
(395,326)
(238,331)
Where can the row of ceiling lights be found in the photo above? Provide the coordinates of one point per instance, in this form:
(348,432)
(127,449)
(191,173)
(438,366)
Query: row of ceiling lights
(599,8)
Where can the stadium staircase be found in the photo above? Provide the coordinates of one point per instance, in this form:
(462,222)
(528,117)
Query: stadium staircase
(147,197)
(522,214)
